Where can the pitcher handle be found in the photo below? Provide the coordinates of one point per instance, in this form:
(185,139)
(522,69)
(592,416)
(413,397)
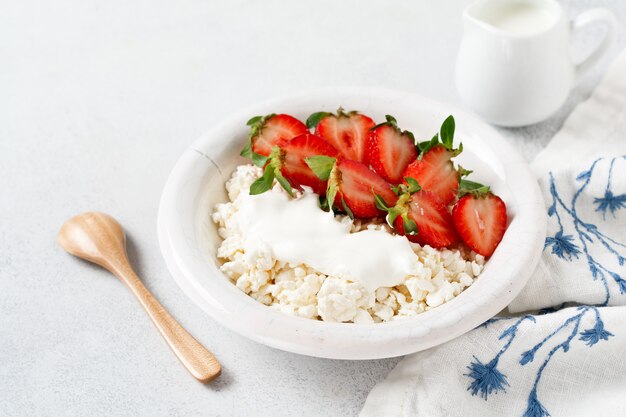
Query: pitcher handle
(585,19)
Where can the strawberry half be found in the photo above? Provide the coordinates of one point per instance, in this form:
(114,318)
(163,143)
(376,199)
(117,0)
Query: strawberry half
(390,150)
(434,170)
(480,219)
(267,131)
(295,169)
(352,186)
(421,216)
(347,132)
(286,163)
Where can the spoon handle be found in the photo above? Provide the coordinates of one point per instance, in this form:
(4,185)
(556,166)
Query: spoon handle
(197,359)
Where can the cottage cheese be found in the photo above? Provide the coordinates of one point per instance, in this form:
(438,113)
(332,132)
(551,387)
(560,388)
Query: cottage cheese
(296,288)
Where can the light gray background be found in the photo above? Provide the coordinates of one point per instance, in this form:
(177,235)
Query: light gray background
(97,100)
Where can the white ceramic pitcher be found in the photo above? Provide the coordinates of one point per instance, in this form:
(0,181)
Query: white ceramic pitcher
(514,66)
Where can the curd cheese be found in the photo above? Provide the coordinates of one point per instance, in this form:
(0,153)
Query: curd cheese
(292,256)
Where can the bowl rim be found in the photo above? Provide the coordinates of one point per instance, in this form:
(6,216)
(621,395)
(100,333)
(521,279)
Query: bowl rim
(348,340)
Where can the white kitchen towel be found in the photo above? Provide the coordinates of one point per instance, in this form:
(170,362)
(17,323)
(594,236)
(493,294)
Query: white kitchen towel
(558,362)
(570,363)
(582,174)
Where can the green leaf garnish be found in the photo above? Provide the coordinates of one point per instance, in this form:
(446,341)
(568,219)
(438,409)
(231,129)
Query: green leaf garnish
(315,118)
(256,124)
(255,120)
(426,145)
(471,187)
(323,202)
(258,159)
(445,137)
(347,209)
(410,227)
(446,133)
(389,121)
(413,185)
(273,165)
(331,192)
(284,183)
(263,183)
(246,152)
(380,203)
(392,215)
(321,165)
(464,172)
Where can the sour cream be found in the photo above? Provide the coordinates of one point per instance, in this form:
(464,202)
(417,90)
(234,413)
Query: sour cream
(297,231)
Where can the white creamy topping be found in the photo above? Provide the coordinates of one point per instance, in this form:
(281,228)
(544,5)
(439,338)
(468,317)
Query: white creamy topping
(298,232)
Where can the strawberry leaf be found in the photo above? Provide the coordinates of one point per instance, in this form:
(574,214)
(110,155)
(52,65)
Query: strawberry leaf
(410,227)
(256,124)
(426,145)
(445,137)
(471,187)
(392,215)
(284,183)
(347,209)
(316,118)
(398,189)
(263,183)
(321,165)
(464,172)
(413,185)
(255,121)
(323,203)
(446,133)
(389,121)
(380,203)
(331,192)
(246,152)
(258,159)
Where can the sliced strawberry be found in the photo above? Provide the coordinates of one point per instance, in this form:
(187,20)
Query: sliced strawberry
(480,220)
(420,215)
(352,186)
(435,172)
(267,131)
(433,169)
(287,164)
(433,220)
(293,165)
(347,132)
(357,185)
(390,150)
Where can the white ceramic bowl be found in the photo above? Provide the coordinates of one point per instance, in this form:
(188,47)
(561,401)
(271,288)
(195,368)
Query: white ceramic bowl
(189,239)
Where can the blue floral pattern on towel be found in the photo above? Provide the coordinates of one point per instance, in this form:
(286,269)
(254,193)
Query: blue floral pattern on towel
(486,378)
(574,244)
(570,243)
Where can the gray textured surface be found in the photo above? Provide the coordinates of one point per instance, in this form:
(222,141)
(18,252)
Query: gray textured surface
(97,100)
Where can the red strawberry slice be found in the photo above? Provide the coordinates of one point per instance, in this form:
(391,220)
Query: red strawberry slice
(432,218)
(347,132)
(480,220)
(390,150)
(267,131)
(293,165)
(352,186)
(435,172)
(357,185)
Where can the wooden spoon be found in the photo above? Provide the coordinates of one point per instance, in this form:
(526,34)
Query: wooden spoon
(99,238)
